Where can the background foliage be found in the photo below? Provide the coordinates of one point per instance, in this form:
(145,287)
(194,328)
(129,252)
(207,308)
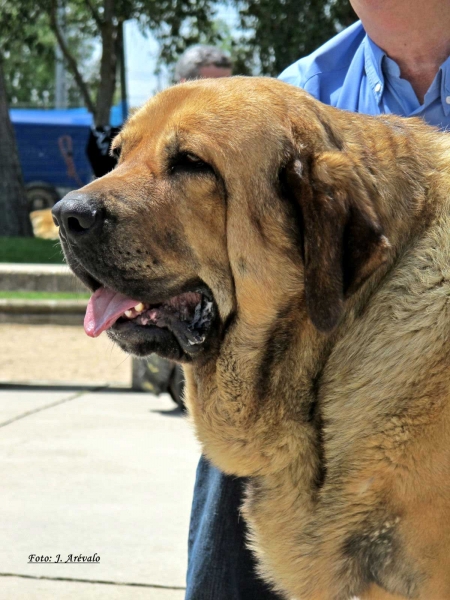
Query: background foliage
(271,35)
(279,32)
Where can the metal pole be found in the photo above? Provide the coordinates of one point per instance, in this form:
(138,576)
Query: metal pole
(60,68)
(123,79)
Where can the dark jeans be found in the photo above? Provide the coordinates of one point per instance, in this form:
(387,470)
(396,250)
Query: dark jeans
(220,567)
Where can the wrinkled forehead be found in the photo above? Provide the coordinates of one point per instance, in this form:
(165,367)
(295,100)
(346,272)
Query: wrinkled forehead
(233,116)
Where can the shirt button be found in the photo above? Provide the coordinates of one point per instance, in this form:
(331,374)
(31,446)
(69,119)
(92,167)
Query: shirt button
(378,88)
(448,99)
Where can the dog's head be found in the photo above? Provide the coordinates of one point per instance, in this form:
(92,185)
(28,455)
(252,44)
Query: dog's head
(230,197)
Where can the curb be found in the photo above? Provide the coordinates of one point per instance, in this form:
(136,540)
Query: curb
(36,312)
(38,278)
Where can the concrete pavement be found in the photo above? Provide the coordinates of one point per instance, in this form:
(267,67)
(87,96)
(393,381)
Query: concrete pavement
(105,473)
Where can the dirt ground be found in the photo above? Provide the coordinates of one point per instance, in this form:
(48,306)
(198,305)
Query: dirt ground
(60,354)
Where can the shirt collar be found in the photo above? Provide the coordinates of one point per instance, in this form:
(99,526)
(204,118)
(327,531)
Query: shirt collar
(379,67)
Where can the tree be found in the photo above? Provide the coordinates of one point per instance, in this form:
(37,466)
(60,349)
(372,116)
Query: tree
(30,62)
(176,23)
(14,220)
(279,32)
(26,71)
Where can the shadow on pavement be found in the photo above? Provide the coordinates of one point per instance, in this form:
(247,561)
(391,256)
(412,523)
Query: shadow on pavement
(58,387)
(174,412)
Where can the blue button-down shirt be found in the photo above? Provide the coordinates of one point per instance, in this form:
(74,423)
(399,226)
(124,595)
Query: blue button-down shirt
(351,72)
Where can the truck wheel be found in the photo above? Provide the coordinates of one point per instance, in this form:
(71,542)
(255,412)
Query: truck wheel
(41,195)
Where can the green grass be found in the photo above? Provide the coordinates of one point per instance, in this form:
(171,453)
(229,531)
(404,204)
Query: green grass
(43,295)
(30,250)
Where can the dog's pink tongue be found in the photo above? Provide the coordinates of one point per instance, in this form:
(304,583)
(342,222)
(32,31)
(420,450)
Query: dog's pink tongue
(104,308)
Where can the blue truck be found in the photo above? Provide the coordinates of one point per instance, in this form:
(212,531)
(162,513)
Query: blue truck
(52,152)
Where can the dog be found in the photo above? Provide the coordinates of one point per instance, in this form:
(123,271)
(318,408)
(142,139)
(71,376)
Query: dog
(296,259)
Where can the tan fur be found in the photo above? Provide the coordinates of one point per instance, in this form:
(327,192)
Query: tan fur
(332,398)
(43,225)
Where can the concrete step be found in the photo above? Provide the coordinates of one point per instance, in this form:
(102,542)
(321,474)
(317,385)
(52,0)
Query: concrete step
(38,278)
(36,312)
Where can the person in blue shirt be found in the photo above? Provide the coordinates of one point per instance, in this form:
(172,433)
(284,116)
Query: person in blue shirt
(396,59)
(359,72)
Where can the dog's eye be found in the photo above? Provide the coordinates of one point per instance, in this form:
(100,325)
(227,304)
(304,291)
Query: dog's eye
(188,162)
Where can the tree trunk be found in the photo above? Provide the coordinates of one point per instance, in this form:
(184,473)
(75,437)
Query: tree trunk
(14,219)
(108,65)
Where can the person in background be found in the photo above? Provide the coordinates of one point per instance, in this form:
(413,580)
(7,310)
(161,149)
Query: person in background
(394,60)
(201,62)
(157,375)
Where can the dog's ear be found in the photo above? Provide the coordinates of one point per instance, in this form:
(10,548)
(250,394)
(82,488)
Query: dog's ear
(343,242)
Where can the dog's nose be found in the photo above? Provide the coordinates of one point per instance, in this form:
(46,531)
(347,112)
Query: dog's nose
(77,214)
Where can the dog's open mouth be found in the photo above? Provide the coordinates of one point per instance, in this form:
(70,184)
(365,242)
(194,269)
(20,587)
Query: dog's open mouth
(143,328)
